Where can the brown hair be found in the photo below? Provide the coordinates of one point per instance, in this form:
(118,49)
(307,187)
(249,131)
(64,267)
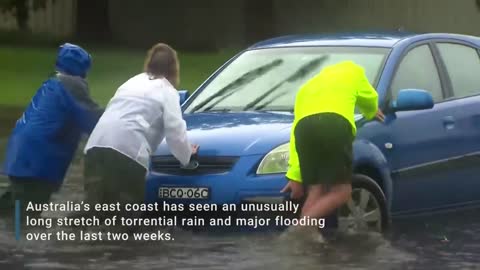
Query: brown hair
(162,61)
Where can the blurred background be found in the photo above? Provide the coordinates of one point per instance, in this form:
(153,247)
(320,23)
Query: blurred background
(212,25)
(206,33)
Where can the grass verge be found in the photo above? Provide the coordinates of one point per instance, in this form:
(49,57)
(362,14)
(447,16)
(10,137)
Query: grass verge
(23,70)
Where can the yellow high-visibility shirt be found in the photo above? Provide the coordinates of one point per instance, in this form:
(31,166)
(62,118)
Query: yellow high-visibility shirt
(336,89)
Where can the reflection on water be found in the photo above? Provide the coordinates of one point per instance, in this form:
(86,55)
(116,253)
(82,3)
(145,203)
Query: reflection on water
(446,242)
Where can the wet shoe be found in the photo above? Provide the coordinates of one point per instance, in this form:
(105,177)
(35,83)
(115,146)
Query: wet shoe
(303,234)
(320,239)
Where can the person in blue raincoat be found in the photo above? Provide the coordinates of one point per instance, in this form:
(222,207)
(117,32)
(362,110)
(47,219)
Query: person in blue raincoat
(45,138)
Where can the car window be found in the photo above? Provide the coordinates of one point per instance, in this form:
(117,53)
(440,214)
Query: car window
(417,70)
(268,79)
(463,67)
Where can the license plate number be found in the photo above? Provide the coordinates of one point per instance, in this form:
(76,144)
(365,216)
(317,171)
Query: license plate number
(183,193)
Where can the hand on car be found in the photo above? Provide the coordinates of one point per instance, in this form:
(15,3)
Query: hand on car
(195,148)
(295,188)
(380,116)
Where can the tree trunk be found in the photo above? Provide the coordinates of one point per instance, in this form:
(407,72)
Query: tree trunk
(22,14)
(93,20)
(259,19)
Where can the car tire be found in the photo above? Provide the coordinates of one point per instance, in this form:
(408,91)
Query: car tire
(366,208)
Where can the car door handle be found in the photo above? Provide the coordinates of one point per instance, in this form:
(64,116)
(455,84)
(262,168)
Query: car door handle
(449,122)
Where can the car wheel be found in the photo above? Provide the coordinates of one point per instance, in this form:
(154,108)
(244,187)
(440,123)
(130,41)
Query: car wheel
(366,211)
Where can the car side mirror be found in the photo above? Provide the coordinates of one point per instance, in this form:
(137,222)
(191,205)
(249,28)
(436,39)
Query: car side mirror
(412,100)
(184,94)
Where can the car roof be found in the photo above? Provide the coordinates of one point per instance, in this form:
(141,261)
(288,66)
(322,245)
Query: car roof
(379,39)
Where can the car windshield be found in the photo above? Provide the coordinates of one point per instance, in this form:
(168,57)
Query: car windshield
(268,79)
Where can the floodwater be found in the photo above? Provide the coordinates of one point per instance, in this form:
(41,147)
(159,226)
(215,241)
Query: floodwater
(443,242)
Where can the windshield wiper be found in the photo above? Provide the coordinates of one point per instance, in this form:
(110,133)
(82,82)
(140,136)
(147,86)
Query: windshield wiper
(300,73)
(240,81)
(218,110)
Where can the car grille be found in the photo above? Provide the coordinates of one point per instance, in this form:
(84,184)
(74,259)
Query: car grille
(207,165)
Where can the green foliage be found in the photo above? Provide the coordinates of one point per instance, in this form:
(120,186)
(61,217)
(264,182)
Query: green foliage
(23,70)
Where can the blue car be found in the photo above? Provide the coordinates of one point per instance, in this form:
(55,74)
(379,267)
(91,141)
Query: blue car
(425,158)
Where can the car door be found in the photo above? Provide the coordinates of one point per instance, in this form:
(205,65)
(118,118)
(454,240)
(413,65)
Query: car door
(414,141)
(462,65)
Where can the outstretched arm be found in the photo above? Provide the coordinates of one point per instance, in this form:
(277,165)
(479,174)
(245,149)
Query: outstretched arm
(78,88)
(293,172)
(83,115)
(294,176)
(367,97)
(176,128)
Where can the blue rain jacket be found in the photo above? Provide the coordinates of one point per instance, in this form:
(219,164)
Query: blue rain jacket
(44,140)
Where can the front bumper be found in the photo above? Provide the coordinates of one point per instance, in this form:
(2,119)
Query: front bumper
(238,185)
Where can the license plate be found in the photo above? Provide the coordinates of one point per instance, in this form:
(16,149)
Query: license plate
(184,193)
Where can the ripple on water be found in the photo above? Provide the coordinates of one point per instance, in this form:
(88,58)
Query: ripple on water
(50,266)
(414,245)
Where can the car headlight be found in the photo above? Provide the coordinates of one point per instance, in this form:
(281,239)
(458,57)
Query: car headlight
(276,161)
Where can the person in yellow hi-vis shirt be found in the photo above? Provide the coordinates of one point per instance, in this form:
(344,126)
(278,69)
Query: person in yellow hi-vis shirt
(322,135)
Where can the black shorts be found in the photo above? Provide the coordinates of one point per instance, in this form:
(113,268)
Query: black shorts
(112,177)
(324,145)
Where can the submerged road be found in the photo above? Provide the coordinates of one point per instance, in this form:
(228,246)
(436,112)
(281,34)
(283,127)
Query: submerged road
(441,242)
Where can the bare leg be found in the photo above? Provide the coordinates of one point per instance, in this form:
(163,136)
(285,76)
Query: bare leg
(308,233)
(314,193)
(326,204)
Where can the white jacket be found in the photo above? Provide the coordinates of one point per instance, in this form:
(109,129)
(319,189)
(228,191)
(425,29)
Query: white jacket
(141,114)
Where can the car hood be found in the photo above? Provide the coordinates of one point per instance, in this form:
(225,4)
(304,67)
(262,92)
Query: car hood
(235,133)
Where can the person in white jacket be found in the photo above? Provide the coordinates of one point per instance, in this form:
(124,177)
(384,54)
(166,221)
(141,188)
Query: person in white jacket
(144,111)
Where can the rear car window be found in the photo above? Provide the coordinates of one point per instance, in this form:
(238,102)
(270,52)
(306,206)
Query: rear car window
(463,67)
